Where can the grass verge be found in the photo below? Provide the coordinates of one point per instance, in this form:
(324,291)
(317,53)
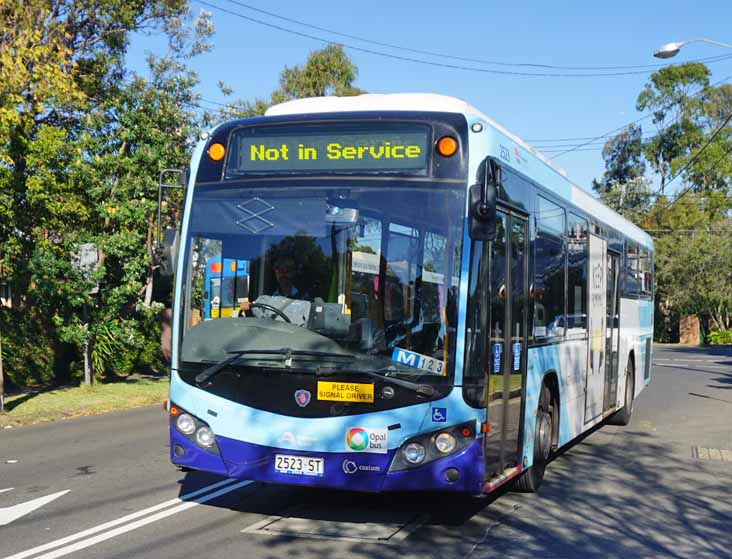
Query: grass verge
(62,403)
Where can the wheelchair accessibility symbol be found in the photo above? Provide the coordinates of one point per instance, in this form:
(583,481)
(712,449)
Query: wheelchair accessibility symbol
(439,415)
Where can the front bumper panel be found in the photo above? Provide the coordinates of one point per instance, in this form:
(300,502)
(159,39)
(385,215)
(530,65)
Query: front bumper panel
(343,470)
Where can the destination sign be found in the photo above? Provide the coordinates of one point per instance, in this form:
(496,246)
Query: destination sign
(341,151)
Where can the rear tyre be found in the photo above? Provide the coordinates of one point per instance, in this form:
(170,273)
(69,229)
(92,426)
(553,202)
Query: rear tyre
(531,479)
(622,416)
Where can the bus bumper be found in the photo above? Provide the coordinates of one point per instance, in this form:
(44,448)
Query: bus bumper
(342,470)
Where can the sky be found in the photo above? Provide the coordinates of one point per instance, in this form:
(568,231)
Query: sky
(549,112)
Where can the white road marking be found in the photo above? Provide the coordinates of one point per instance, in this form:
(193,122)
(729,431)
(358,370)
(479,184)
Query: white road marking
(118,521)
(8,514)
(8,489)
(83,544)
(705,366)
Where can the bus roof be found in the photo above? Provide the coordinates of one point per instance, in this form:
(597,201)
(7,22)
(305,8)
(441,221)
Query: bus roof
(433,102)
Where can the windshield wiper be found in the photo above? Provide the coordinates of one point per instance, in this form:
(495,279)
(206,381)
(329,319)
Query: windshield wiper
(285,352)
(425,390)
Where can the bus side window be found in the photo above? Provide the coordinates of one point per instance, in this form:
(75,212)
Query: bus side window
(577,269)
(632,283)
(549,281)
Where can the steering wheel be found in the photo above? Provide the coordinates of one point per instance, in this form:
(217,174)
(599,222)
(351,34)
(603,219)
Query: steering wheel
(270,308)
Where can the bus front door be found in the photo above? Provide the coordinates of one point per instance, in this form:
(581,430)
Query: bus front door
(596,367)
(508,314)
(613,333)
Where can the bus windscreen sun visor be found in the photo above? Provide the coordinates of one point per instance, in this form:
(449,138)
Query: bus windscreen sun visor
(259,216)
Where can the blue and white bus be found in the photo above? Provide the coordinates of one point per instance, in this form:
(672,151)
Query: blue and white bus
(455,310)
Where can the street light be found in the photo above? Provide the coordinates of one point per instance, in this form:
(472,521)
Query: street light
(672,49)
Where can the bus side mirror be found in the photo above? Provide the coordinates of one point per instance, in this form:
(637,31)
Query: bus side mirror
(168,255)
(483,196)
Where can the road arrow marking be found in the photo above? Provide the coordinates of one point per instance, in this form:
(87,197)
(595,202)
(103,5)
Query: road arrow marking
(8,514)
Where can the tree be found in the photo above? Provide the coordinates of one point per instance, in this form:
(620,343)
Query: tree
(631,199)
(676,114)
(623,159)
(327,71)
(61,62)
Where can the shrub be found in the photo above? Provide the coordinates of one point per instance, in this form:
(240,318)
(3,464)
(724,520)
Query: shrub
(720,337)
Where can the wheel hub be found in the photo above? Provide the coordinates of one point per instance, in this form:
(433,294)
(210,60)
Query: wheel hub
(545,434)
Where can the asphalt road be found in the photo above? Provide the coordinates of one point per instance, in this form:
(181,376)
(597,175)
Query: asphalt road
(661,487)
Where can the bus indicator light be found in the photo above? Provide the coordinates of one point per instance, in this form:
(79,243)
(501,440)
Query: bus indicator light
(216,152)
(174,410)
(215,267)
(447,146)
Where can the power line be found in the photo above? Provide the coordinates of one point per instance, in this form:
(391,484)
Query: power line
(710,168)
(563,142)
(634,121)
(417,60)
(691,231)
(461,58)
(697,154)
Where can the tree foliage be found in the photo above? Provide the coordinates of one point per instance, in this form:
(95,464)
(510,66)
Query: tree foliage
(82,143)
(327,71)
(692,228)
(623,159)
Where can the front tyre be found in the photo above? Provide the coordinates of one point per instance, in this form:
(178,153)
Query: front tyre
(531,479)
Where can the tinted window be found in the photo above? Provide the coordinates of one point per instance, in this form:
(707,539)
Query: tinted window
(577,258)
(645,276)
(631,271)
(550,254)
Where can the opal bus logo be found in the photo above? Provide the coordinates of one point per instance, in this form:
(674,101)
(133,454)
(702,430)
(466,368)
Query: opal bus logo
(359,439)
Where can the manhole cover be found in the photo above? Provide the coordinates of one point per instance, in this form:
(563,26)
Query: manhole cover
(712,454)
(348,524)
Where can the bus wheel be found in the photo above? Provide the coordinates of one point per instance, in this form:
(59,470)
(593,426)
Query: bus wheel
(530,480)
(622,416)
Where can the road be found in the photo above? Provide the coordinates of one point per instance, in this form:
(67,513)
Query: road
(660,487)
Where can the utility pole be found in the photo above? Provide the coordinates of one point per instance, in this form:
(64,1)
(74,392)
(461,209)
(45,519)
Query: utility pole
(88,377)
(86,260)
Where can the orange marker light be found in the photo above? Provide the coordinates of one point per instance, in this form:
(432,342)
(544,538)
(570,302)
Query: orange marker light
(174,410)
(216,152)
(447,146)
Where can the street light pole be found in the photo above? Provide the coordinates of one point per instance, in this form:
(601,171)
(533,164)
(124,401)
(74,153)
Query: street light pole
(672,49)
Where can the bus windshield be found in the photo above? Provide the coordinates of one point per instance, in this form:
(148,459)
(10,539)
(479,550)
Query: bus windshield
(363,269)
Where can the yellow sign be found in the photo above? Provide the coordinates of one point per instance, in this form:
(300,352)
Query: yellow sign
(345,392)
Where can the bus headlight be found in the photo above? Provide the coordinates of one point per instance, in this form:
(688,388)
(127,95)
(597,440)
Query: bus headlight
(205,437)
(197,431)
(424,448)
(445,443)
(414,453)
(185,424)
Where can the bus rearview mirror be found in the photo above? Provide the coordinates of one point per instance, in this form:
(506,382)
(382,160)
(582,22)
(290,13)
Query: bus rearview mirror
(483,197)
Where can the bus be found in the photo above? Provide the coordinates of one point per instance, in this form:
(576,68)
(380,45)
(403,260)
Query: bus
(431,304)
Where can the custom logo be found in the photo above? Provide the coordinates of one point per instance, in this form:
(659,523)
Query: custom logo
(357,438)
(302,397)
(371,440)
(350,467)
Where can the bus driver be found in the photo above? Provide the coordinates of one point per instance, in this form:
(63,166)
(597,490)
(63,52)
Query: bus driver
(284,269)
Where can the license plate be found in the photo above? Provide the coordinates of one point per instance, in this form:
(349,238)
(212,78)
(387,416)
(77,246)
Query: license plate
(299,465)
